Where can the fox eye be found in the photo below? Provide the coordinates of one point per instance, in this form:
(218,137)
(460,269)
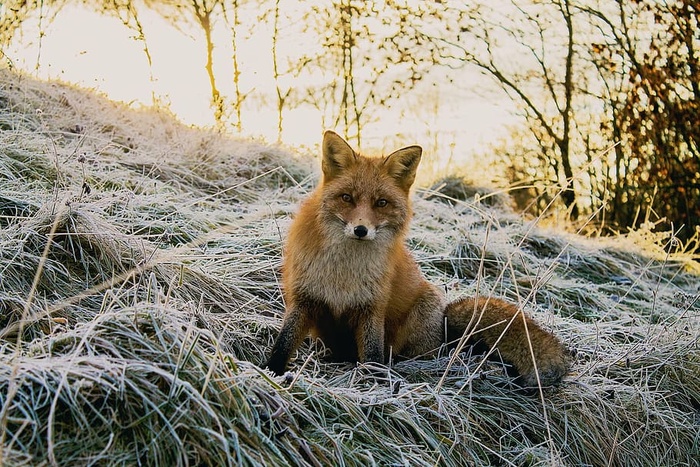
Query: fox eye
(346,197)
(381,203)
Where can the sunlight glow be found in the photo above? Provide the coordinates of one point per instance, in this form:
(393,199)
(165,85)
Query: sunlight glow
(98,52)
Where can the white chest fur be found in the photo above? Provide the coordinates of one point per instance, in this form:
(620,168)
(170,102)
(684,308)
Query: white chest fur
(346,274)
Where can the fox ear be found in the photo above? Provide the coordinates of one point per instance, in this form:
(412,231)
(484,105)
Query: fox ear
(337,155)
(402,165)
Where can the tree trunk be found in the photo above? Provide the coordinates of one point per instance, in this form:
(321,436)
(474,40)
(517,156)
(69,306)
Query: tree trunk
(569,195)
(204,19)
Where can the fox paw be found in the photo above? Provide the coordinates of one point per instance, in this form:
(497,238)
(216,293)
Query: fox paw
(550,371)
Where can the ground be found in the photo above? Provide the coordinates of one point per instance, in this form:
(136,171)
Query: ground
(139,293)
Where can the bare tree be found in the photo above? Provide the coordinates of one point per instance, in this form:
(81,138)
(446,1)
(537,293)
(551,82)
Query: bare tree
(282,95)
(234,24)
(563,61)
(648,60)
(371,54)
(15,12)
(529,51)
(201,13)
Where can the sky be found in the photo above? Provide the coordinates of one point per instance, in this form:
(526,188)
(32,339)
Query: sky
(94,51)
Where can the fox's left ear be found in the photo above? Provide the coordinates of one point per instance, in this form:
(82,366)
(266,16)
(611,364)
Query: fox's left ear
(402,165)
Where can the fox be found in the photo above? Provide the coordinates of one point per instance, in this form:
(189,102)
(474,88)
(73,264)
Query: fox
(349,279)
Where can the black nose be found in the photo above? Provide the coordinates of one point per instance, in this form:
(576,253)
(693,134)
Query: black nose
(360,231)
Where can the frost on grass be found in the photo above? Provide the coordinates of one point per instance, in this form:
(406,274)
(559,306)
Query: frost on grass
(139,293)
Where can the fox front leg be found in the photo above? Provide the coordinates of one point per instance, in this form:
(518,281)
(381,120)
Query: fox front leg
(294,330)
(370,338)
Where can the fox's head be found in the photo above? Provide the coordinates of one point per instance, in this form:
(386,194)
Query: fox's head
(366,198)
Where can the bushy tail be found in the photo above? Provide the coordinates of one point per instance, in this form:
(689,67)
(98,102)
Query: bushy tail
(494,323)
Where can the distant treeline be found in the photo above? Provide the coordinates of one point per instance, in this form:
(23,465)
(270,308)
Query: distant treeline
(608,90)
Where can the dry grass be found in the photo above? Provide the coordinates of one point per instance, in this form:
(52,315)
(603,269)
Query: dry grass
(139,293)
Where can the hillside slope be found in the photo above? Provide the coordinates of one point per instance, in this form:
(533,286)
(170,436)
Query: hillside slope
(139,292)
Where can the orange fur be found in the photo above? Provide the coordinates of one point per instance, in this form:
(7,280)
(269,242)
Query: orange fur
(349,279)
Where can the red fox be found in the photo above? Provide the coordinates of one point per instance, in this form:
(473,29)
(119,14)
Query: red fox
(349,279)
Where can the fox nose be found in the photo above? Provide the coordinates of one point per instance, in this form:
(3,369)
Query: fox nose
(360,231)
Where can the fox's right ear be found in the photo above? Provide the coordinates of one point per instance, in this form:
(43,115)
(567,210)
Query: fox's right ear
(337,155)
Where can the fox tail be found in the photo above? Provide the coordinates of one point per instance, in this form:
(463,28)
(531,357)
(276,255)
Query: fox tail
(538,357)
